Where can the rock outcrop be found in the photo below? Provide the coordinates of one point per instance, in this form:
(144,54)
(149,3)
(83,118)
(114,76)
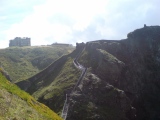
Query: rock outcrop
(97,100)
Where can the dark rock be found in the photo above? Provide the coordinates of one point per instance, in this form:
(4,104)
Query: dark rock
(97,100)
(132,65)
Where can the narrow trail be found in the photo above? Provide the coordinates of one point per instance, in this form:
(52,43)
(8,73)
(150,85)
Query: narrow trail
(83,69)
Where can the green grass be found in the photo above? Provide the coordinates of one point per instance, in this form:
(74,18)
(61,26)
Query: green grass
(43,110)
(89,59)
(63,80)
(24,62)
(52,87)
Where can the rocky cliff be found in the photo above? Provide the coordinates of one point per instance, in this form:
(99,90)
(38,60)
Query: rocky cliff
(131,65)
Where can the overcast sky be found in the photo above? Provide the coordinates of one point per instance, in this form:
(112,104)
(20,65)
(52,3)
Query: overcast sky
(71,21)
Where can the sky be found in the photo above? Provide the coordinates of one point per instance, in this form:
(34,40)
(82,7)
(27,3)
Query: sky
(71,21)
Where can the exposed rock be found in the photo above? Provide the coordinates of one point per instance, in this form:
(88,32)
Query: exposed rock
(97,100)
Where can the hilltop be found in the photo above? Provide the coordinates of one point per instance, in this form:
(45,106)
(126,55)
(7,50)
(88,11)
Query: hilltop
(24,62)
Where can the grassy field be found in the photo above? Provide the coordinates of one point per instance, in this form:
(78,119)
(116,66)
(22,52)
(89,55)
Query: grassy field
(24,62)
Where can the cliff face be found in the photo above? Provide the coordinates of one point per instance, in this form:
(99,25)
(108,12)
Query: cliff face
(131,65)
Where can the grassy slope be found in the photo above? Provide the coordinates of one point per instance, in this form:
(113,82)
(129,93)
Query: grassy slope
(54,86)
(24,62)
(65,78)
(17,104)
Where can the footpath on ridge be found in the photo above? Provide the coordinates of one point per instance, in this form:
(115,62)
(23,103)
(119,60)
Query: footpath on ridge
(67,102)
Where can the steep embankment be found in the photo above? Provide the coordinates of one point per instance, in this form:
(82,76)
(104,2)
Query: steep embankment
(17,105)
(50,85)
(24,62)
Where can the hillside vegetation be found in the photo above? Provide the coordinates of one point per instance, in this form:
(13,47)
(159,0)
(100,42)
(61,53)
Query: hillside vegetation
(50,85)
(24,62)
(16,104)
